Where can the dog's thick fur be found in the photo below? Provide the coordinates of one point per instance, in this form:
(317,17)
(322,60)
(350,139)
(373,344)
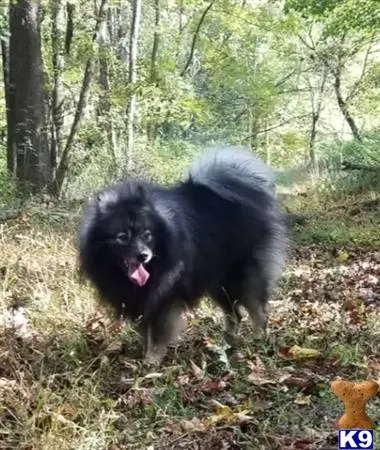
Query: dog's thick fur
(152,251)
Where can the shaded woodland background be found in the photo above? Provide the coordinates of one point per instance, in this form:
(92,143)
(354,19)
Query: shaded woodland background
(96,90)
(93,92)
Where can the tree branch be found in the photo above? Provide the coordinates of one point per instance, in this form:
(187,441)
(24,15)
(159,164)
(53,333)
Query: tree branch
(195,37)
(272,127)
(356,86)
(344,107)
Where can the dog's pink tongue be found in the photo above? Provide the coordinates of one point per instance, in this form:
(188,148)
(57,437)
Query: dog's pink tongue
(138,274)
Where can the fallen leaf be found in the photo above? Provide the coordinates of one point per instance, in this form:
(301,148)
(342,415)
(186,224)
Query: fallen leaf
(220,351)
(224,414)
(214,385)
(260,381)
(197,371)
(374,365)
(139,396)
(114,347)
(183,380)
(299,353)
(192,425)
(305,384)
(256,367)
(153,375)
(302,444)
(303,399)
(343,256)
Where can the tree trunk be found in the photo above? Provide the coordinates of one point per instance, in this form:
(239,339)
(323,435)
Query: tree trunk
(153,78)
(195,37)
(56,186)
(156,42)
(28,149)
(133,55)
(57,100)
(313,135)
(342,103)
(5,63)
(316,101)
(104,108)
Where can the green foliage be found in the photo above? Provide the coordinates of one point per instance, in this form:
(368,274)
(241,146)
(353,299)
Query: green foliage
(249,73)
(167,160)
(4,28)
(8,192)
(343,232)
(341,16)
(334,155)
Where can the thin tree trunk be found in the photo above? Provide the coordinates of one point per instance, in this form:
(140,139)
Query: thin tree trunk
(316,109)
(104,108)
(195,37)
(250,129)
(180,29)
(133,55)
(28,149)
(313,135)
(70,9)
(180,22)
(342,103)
(57,100)
(267,145)
(152,128)
(5,63)
(56,186)
(156,42)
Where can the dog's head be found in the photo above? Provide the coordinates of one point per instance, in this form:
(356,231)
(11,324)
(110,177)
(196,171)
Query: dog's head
(127,224)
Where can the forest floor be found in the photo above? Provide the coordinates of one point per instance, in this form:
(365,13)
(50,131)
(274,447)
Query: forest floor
(71,378)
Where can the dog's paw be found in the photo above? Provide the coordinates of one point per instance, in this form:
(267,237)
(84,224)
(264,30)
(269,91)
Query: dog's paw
(153,359)
(233,340)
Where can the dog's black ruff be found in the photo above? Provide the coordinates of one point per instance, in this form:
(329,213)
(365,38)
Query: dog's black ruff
(204,242)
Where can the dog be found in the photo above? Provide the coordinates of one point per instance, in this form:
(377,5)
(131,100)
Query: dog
(153,251)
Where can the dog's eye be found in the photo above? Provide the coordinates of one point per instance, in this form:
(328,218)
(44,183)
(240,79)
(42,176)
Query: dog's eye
(123,238)
(147,235)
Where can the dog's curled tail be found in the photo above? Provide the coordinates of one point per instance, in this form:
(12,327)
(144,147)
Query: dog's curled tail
(232,172)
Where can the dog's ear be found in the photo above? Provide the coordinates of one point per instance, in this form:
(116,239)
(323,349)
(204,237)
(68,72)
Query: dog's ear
(105,199)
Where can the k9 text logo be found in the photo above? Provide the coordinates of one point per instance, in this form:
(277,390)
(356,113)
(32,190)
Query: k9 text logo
(356,439)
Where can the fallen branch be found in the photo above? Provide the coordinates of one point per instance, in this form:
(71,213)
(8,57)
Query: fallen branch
(346,165)
(367,205)
(9,215)
(298,219)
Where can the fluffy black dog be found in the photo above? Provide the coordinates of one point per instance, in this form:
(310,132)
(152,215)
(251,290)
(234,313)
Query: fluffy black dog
(153,251)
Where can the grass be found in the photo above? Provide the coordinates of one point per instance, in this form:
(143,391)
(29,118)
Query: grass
(71,377)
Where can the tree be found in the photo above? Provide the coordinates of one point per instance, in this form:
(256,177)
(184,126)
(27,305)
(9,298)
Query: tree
(153,77)
(347,31)
(28,152)
(57,66)
(56,186)
(133,54)
(317,87)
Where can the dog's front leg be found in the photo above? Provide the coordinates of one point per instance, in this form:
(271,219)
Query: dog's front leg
(160,330)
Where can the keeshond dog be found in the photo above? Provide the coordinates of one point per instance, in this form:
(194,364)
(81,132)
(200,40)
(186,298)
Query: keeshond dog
(152,251)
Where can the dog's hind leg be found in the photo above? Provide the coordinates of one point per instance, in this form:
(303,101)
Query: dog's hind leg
(232,312)
(161,330)
(256,289)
